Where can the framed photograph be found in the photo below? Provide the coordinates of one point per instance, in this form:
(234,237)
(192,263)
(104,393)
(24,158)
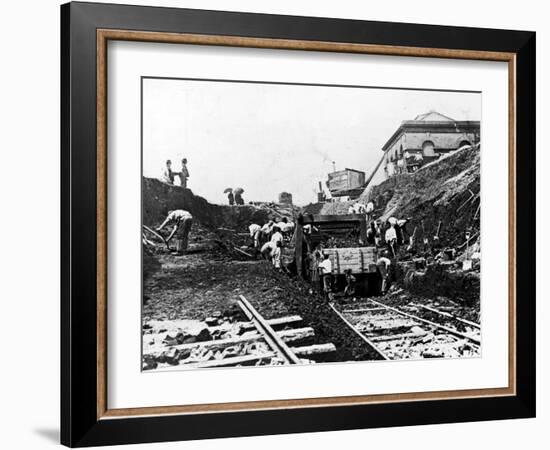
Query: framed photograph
(276,224)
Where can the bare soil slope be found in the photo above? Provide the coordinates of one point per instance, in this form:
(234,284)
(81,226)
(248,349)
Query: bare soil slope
(445,190)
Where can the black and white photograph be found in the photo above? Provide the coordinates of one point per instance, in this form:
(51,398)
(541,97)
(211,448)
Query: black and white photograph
(305,224)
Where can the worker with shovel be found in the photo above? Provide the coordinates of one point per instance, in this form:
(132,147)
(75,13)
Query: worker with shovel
(182,221)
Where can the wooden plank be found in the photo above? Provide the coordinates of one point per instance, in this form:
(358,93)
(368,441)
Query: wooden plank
(437,325)
(338,218)
(245,360)
(317,349)
(395,337)
(363,230)
(273,340)
(296,334)
(358,333)
(277,322)
(220,344)
(288,336)
(362,310)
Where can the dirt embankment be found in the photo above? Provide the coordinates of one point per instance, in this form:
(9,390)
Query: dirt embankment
(159,198)
(446,190)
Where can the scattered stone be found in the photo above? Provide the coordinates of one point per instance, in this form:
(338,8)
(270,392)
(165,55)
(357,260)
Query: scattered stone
(204,335)
(149,363)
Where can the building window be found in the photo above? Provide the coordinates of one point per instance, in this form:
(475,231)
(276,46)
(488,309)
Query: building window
(428,149)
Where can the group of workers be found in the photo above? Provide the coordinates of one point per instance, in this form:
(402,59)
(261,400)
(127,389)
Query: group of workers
(388,236)
(391,234)
(270,238)
(169,175)
(235,196)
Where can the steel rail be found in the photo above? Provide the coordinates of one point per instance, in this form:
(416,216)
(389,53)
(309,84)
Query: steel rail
(271,337)
(358,333)
(446,314)
(437,325)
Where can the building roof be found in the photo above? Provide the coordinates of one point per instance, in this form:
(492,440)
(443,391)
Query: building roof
(433,116)
(433,121)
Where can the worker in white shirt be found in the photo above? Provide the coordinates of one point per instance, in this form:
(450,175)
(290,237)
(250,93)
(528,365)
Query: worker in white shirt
(182,221)
(308,229)
(325,270)
(255,231)
(391,238)
(383,265)
(266,249)
(369,210)
(276,255)
(167,174)
(288,229)
(277,236)
(266,230)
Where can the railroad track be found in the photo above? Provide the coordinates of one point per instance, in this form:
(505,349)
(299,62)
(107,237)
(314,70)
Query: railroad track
(403,333)
(257,342)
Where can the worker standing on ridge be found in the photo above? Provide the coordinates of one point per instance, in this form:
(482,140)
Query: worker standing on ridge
(231,198)
(239,198)
(325,269)
(383,265)
(167,174)
(255,231)
(182,220)
(184,174)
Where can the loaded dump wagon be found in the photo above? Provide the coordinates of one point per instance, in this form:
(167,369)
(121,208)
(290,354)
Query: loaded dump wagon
(344,239)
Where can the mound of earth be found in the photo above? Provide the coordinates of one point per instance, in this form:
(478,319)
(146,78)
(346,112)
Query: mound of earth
(446,190)
(159,198)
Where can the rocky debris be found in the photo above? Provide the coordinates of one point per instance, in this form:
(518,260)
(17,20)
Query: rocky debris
(403,337)
(223,341)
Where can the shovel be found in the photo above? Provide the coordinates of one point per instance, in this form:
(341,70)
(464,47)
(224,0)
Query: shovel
(436,237)
(154,233)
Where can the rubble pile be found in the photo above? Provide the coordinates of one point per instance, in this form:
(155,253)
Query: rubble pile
(411,337)
(209,347)
(224,340)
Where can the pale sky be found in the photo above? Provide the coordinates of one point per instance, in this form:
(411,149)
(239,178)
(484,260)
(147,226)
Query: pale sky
(269,138)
